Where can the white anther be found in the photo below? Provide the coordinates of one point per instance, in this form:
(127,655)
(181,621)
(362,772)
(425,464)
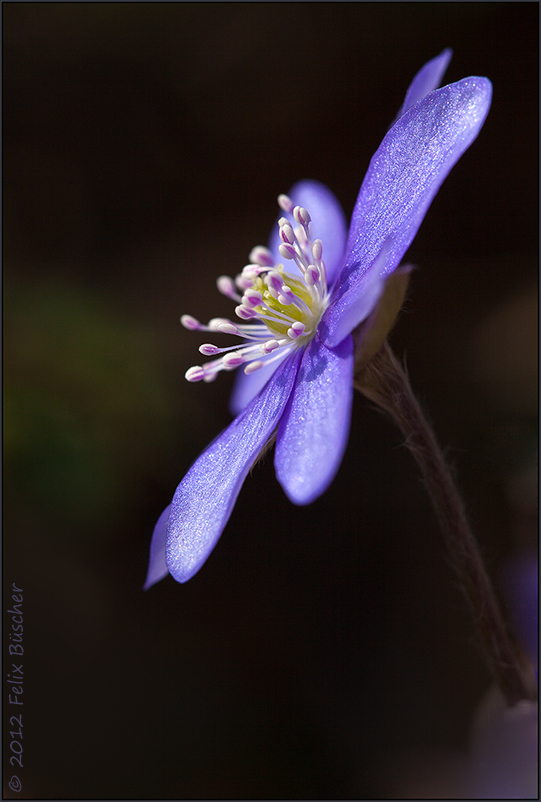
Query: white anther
(195,374)
(226,286)
(252,366)
(287,251)
(251,271)
(269,346)
(228,328)
(296,330)
(252,298)
(243,282)
(312,275)
(301,215)
(244,313)
(317,249)
(207,349)
(286,233)
(288,292)
(233,360)
(216,322)
(286,295)
(285,203)
(274,280)
(190,322)
(261,256)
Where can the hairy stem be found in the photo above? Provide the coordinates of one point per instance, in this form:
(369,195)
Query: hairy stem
(384,381)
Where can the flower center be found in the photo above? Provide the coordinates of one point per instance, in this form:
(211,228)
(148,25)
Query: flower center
(281,310)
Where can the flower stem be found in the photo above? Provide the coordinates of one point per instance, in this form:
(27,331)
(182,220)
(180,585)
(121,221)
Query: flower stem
(384,381)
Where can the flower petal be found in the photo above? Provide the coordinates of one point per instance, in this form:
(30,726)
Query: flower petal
(205,498)
(157,567)
(427,79)
(328,224)
(314,429)
(248,385)
(403,177)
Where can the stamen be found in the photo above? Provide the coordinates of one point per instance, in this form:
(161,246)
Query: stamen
(281,309)
(244,313)
(269,346)
(301,216)
(286,295)
(285,203)
(190,322)
(252,298)
(228,328)
(243,282)
(253,366)
(296,330)
(286,232)
(195,374)
(233,360)
(261,256)
(226,286)
(207,349)
(215,323)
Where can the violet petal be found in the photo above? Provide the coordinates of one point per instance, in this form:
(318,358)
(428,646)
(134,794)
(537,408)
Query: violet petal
(403,177)
(157,567)
(314,428)
(427,79)
(248,385)
(205,498)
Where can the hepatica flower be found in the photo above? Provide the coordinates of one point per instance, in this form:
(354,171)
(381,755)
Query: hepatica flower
(297,303)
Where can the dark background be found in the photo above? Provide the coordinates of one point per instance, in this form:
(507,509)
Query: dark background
(322,652)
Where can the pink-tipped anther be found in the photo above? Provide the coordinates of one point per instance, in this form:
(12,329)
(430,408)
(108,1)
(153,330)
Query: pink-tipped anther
(216,322)
(287,251)
(252,298)
(228,328)
(253,366)
(285,203)
(195,374)
(296,330)
(190,322)
(233,360)
(226,286)
(274,280)
(317,249)
(244,312)
(207,349)
(286,232)
(270,346)
(261,256)
(301,216)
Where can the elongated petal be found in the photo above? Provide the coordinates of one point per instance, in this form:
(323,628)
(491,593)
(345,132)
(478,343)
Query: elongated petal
(247,386)
(328,224)
(369,289)
(427,79)
(205,498)
(157,567)
(314,429)
(404,175)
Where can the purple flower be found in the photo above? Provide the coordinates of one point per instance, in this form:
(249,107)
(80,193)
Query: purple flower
(297,321)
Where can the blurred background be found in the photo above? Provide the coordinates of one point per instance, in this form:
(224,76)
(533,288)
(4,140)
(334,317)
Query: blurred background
(322,652)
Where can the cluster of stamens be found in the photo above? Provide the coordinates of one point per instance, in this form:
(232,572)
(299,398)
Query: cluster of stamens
(281,310)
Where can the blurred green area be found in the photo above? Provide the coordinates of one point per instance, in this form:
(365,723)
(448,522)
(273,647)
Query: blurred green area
(81,387)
